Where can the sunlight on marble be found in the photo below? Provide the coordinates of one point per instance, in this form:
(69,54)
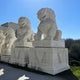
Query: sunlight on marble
(23,78)
(1,72)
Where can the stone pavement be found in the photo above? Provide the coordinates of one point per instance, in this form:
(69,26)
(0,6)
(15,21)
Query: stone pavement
(11,73)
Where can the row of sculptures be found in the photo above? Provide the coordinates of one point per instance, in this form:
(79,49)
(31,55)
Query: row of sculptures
(47,27)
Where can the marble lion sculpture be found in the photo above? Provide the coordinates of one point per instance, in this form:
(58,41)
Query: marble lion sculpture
(24,33)
(10,37)
(2,40)
(9,41)
(47,26)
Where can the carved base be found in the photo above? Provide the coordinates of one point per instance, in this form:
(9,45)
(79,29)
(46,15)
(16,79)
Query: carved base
(6,54)
(5,58)
(48,43)
(23,44)
(20,56)
(6,51)
(49,60)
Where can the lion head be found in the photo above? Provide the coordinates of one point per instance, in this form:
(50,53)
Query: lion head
(9,32)
(23,22)
(45,13)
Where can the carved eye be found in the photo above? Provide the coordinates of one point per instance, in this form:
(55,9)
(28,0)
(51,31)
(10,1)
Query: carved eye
(23,23)
(44,16)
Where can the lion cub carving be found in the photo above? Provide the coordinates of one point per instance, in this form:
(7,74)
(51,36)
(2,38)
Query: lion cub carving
(47,26)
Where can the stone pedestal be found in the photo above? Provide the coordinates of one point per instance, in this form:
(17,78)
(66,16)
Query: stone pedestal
(51,59)
(6,54)
(5,58)
(49,43)
(20,53)
(23,44)
(19,56)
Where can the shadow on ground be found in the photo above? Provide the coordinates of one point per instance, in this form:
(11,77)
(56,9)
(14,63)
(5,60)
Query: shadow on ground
(12,72)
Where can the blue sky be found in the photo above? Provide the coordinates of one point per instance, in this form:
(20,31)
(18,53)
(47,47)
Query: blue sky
(67,14)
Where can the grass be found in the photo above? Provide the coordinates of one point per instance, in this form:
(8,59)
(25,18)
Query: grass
(76,71)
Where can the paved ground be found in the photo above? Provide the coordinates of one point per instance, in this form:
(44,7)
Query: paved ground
(11,73)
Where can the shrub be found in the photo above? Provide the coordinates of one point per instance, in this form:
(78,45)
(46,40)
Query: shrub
(74,51)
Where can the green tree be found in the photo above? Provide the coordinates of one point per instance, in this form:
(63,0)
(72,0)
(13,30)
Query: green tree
(68,43)
(74,51)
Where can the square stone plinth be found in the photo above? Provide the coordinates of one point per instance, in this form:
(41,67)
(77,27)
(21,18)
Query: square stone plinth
(49,43)
(5,58)
(49,60)
(23,44)
(20,56)
(6,55)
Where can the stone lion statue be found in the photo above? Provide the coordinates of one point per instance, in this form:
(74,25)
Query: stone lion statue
(24,33)
(10,37)
(9,41)
(47,26)
(2,40)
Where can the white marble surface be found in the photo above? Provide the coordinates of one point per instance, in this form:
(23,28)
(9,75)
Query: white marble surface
(48,55)
(47,26)
(5,58)
(23,44)
(12,25)
(9,41)
(49,60)
(49,43)
(20,56)
(24,33)
(2,40)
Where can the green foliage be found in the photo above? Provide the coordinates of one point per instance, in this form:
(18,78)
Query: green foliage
(74,55)
(75,51)
(68,43)
(74,63)
(76,71)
